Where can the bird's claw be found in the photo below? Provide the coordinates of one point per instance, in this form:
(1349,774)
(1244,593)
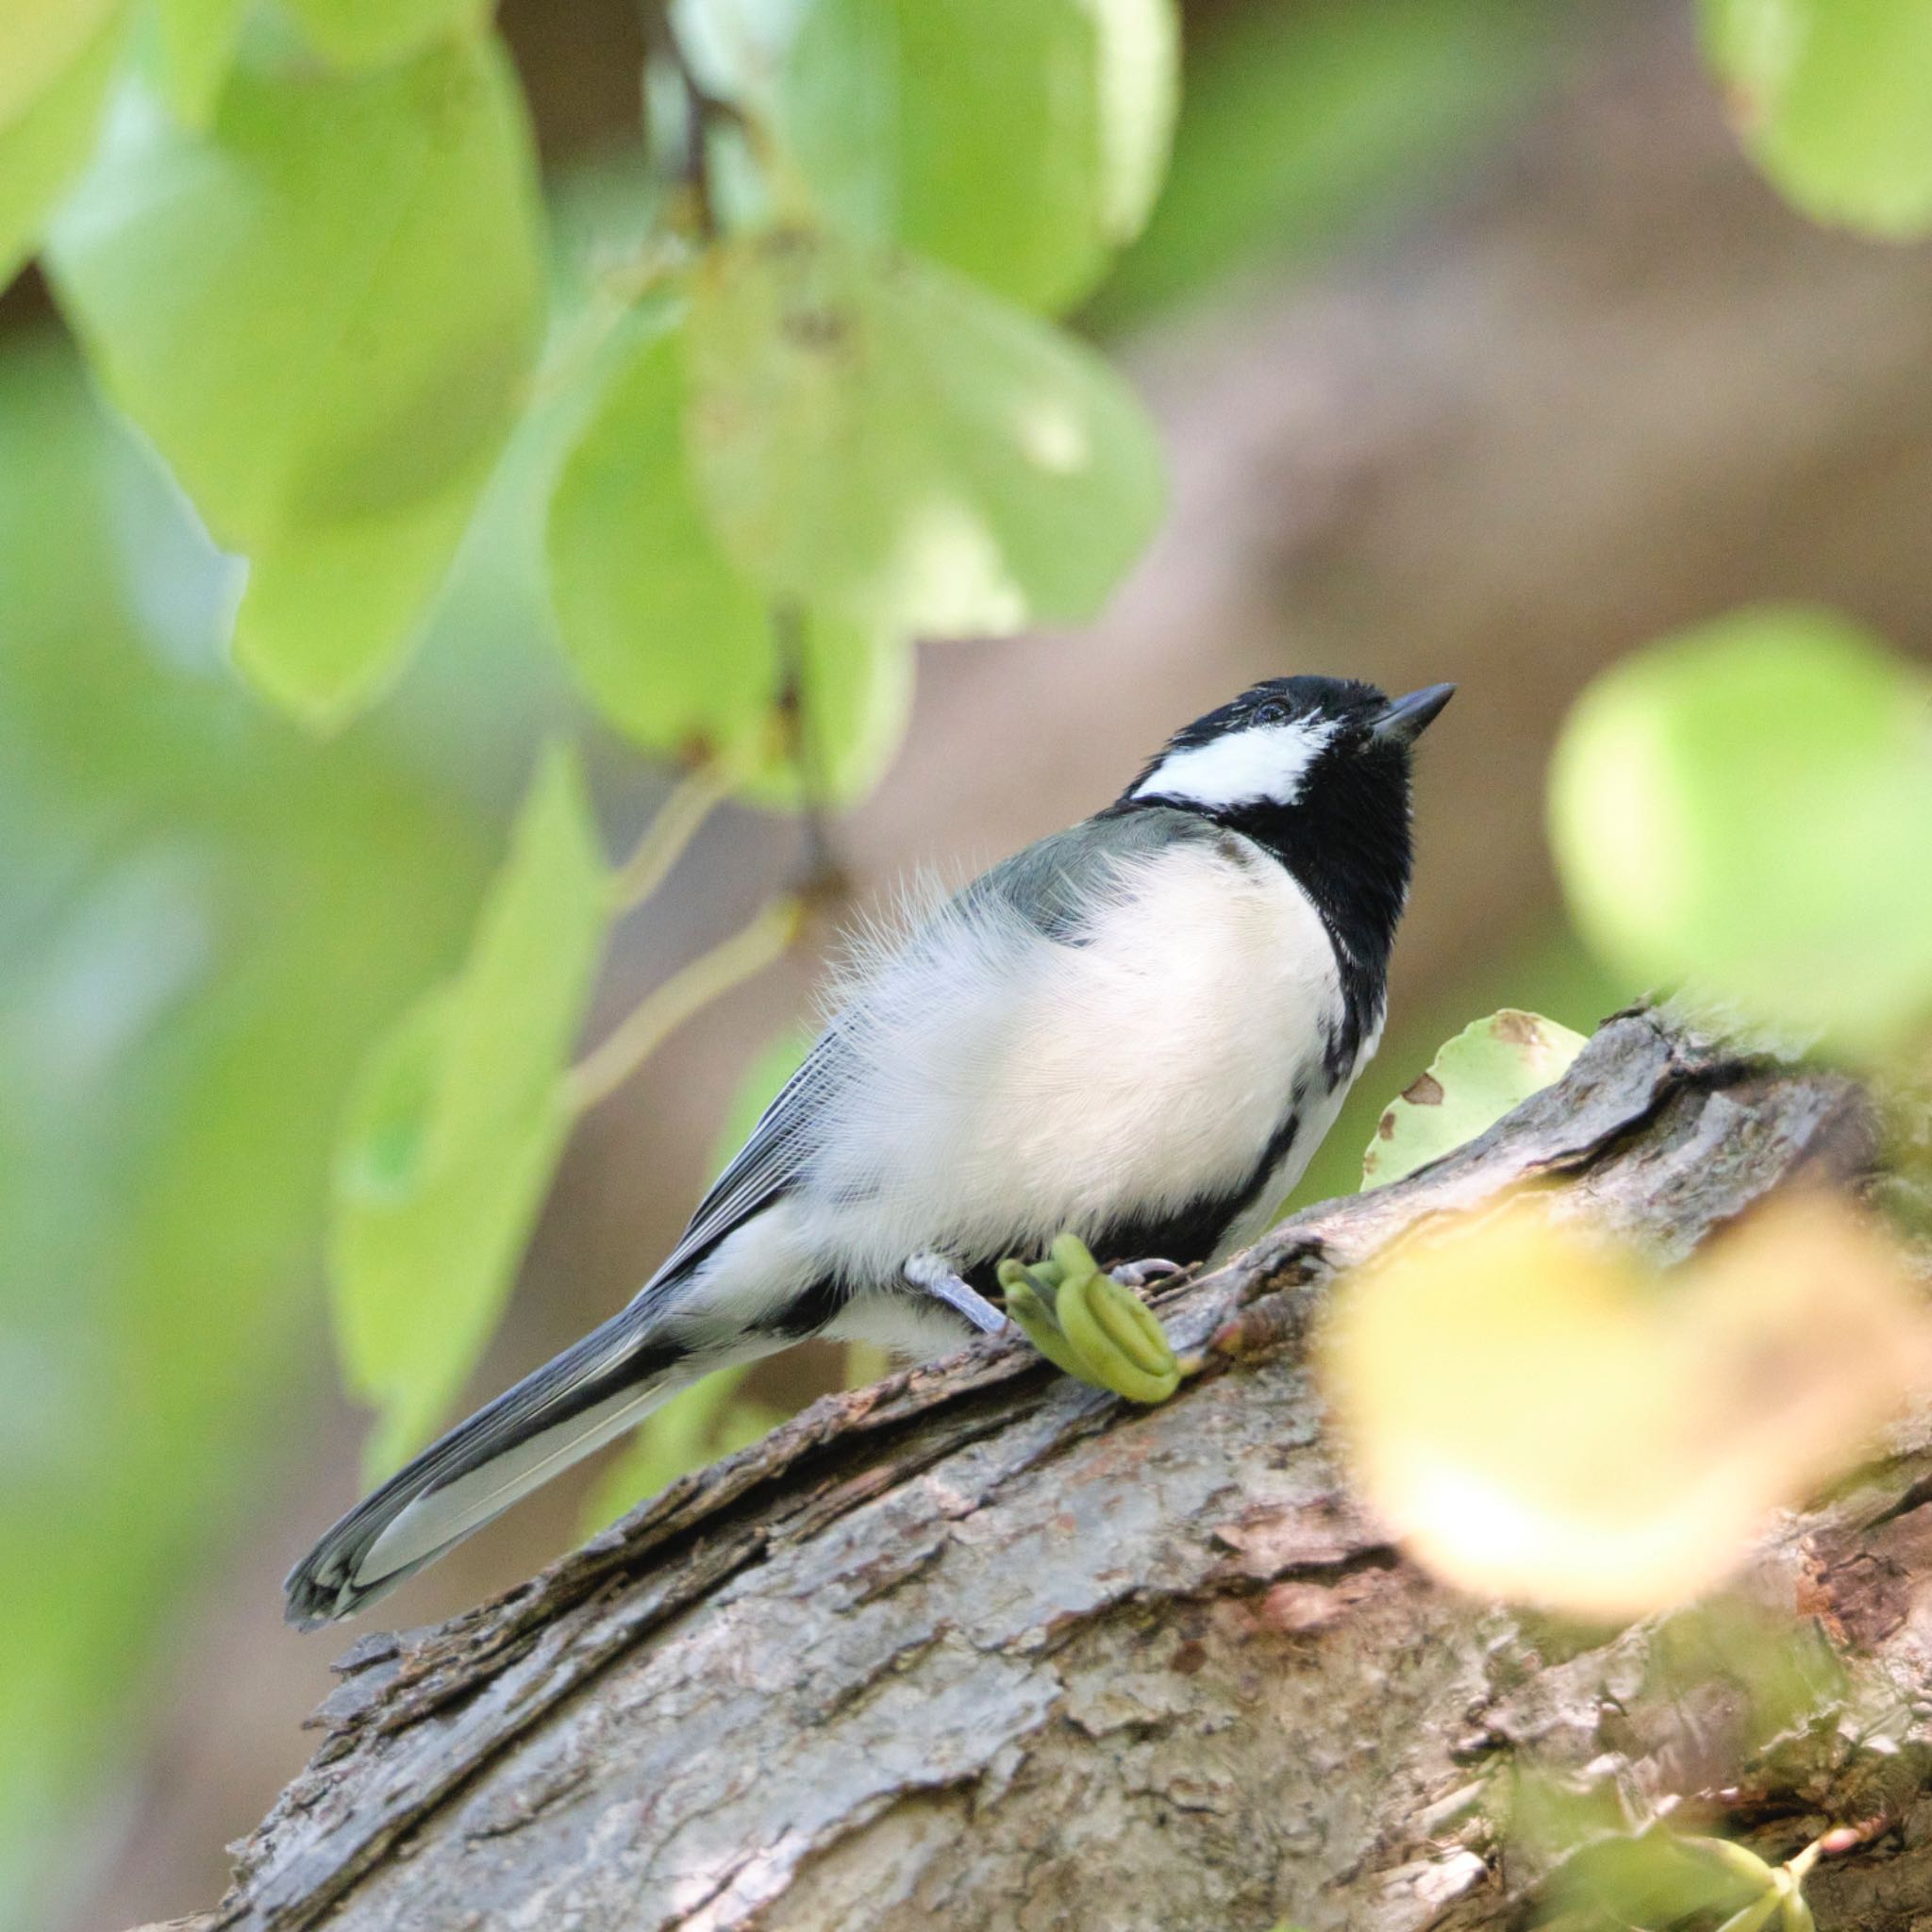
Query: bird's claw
(1090,1324)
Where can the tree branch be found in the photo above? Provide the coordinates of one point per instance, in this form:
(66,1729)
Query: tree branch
(980,1646)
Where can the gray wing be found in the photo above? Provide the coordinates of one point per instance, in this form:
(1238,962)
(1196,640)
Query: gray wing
(763,1168)
(1053,884)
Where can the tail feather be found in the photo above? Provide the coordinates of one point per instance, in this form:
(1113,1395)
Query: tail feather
(591,1392)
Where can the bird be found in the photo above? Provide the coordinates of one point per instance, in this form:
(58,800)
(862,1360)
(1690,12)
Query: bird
(1136,1030)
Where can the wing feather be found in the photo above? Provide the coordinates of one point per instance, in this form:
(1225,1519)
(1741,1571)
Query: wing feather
(762,1171)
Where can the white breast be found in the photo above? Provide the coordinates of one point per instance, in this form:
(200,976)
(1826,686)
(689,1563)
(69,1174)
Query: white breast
(1004,1086)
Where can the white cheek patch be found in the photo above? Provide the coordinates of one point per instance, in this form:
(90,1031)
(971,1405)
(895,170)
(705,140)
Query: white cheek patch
(1264,764)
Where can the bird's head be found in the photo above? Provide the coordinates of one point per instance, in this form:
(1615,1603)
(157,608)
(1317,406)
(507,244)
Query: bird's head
(1292,745)
(1316,771)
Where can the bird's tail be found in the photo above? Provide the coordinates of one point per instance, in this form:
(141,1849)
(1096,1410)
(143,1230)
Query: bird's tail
(589,1395)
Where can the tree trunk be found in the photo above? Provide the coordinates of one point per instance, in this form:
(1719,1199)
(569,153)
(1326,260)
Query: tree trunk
(980,1647)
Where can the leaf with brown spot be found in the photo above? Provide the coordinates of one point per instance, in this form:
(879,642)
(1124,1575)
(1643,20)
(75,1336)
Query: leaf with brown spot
(1486,1070)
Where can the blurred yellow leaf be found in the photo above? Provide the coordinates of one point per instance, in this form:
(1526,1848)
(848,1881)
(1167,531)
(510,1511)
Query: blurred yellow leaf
(1545,1418)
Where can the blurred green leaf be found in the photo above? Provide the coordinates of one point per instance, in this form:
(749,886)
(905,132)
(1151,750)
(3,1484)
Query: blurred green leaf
(194,43)
(1491,1066)
(1830,98)
(55,62)
(457,1125)
(855,700)
(377,235)
(205,920)
(1020,141)
(698,1426)
(373,33)
(1748,808)
(673,645)
(41,41)
(1760,1673)
(329,613)
(883,438)
(1616,1880)
(323,312)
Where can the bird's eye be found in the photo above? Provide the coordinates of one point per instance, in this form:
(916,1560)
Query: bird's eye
(1273,712)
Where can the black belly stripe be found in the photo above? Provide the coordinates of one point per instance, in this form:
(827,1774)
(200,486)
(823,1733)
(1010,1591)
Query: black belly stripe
(1187,1235)
(809,1310)
(1192,1233)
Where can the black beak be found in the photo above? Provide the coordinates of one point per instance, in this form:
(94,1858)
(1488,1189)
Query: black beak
(1402,721)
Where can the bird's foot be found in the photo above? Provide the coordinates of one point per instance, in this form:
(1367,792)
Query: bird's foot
(1092,1324)
(1140,1274)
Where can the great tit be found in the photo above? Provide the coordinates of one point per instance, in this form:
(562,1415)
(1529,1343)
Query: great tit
(1136,1031)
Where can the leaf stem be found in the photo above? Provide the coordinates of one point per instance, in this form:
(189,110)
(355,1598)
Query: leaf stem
(665,839)
(639,1035)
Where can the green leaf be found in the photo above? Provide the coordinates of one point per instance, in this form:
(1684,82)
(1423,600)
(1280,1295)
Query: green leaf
(1020,141)
(457,1125)
(56,62)
(670,641)
(329,615)
(673,645)
(1748,808)
(698,1426)
(882,438)
(206,919)
(1491,1067)
(1830,96)
(855,700)
(326,307)
(40,44)
(195,47)
(374,33)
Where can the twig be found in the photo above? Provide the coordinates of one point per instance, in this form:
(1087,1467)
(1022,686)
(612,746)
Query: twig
(701,108)
(665,839)
(824,876)
(635,1038)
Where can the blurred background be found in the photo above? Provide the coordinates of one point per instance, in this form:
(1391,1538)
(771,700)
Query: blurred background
(1480,353)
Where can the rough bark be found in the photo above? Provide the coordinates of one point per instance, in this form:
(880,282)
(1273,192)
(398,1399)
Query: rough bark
(980,1647)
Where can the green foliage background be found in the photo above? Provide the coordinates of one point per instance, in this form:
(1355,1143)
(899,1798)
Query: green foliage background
(368,472)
